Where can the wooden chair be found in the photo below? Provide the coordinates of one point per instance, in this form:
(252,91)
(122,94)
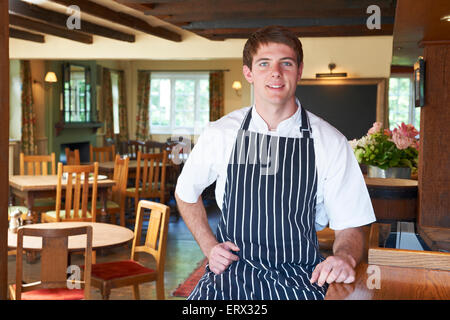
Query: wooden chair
(72,157)
(133,147)
(38,165)
(117,202)
(53,284)
(76,194)
(153,146)
(102,154)
(110,275)
(150,178)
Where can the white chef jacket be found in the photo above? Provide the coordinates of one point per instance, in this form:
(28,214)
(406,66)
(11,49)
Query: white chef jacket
(342,197)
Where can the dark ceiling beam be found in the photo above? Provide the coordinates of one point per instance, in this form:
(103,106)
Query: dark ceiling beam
(29,24)
(289,23)
(25,35)
(127,20)
(193,15)
(137,5)
(301,32)
(60,19)
(264,6)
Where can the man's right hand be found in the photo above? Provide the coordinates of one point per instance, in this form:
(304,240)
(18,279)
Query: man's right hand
(220,256)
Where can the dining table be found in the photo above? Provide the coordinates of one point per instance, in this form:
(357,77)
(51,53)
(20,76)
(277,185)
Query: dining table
(104,235)
(30,188)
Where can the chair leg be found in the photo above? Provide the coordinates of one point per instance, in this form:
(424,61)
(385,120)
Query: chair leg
(136,294)
(160,289)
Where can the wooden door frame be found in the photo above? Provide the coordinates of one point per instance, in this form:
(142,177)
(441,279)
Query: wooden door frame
(4,146)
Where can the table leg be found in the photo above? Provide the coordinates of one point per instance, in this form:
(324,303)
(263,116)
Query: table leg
(104,200)
(30,203)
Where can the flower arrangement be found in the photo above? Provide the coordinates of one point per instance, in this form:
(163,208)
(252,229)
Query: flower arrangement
(386,149)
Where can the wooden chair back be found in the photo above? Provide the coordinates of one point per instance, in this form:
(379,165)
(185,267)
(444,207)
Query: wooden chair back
(72,157)
(37,165)
(156,238)
(76,190)
(54,257)
(133,147)
(121,179)
(102,154)
(154,146)
(151,175)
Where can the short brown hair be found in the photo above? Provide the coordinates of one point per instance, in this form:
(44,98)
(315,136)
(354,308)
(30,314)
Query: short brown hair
(269,34)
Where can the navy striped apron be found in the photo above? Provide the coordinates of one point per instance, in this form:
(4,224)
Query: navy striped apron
(269,213)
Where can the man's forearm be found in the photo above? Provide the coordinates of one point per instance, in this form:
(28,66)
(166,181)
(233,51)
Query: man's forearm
(194,215)
(349,242)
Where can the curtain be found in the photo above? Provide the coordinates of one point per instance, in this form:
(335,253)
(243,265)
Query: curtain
(28,144)
(123,117)
(142,118)
(107,100)
(216,93)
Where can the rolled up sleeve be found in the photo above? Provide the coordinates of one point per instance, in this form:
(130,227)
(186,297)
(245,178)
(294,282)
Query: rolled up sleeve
(346,198)
(198,171)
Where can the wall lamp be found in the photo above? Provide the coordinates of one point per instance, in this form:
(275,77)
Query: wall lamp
(50,77)
(237,86)
(331,66)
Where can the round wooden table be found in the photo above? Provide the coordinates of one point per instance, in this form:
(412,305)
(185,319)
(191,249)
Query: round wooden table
(104,235)
(393,199)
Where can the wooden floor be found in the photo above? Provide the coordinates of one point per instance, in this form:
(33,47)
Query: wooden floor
(183,256)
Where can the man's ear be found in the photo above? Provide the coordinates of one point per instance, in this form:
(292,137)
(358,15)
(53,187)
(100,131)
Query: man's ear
(247,73)
(300,71)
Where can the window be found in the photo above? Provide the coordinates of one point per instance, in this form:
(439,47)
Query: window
(179,102)
(401,102)
(115,99)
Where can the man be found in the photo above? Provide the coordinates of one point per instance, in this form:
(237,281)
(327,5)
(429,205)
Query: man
(281,173)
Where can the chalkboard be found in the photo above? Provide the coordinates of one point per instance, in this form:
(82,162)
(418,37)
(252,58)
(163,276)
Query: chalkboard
(350,108)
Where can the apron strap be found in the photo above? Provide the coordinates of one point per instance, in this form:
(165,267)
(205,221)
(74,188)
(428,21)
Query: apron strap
(305,128)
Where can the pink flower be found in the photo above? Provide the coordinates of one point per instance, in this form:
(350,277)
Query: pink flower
(408,130)
(387,132)
(402,141)
(377,126)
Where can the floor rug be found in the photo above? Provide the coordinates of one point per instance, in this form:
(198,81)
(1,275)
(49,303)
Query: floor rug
(189,284)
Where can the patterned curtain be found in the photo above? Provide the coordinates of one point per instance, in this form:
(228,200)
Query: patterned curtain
(142,118)
(107,104)
(216,92)
(28,116)
(123,118)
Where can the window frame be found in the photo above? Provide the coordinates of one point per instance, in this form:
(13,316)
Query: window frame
(174,76)
(412,109)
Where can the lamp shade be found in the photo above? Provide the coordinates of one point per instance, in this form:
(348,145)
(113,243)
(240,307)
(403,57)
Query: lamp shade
(50,77)
(236,85)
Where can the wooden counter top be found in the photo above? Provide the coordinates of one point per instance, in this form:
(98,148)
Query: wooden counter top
(394,283)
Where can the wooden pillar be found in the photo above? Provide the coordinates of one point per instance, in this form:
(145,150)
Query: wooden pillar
(434,161)
(4,146)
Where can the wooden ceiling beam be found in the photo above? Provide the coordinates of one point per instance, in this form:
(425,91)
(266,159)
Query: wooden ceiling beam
(238,7)
(302,32)
(59,19)
(193,16)
(29,24)
(25,35)
(127,20)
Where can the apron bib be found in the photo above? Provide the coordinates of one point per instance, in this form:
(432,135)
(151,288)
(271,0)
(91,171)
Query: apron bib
(269,213)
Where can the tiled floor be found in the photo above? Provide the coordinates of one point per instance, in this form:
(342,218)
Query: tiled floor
(182,257)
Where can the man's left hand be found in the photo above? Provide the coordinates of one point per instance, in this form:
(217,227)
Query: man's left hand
(335,269)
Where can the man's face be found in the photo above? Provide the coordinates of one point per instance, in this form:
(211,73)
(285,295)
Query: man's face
(274,74)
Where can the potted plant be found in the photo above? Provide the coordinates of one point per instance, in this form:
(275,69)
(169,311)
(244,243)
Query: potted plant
(388,154)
